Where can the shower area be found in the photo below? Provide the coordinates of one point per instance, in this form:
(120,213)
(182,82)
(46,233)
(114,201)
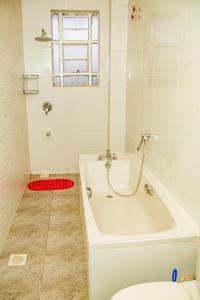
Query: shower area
(77,122)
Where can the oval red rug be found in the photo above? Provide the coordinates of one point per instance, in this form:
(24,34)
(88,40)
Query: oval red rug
(50,184)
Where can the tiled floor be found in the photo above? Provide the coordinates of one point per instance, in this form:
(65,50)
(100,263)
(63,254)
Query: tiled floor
(48,228)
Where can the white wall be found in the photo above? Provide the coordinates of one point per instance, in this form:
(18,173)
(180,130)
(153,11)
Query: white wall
(168,106)
(134,76)
(118,74)
(14,162)
(78,119)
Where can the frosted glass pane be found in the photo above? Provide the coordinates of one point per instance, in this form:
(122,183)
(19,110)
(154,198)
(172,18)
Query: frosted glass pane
(56,81)
(75,35)
(75,66)
(76,80)
(56,58)
(75,51)
(95,58)
(95,80)
(75,22)
(95,27)
(55,27)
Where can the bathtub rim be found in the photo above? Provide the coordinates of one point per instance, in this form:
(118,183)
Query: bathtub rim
(185,228)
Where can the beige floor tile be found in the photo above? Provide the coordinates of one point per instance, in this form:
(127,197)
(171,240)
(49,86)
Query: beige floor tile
(45,195)
(61,271)
(66,204)
(36,222)
(33,205)
(33,243)
(71,293)
(23,278)
(20,295)
(59,242)
(65,222)
(48,228)
(52,294)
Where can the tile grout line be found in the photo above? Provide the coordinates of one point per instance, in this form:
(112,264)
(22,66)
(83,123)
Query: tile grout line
(50,211)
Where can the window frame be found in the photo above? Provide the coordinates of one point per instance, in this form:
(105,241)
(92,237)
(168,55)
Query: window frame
(88,43)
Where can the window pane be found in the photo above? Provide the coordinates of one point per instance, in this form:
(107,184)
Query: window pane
(56,81)
(95,58)
(75,35)
(75,48)
(71,51)
(95,27)
(95,80)
(75,22)
(55,27)
(56,58)
(76,80)
(75,66)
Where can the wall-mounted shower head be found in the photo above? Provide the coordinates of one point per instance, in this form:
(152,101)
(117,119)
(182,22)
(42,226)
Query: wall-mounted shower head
(43,37)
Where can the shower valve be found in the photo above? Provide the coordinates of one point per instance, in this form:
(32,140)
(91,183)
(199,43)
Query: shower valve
(145,137)
(47,107)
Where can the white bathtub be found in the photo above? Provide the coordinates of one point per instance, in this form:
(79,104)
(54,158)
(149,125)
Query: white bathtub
(136,239)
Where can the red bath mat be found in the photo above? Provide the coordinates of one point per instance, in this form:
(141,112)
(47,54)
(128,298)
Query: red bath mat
(50,184)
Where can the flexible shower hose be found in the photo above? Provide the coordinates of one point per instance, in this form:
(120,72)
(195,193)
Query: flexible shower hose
(139,178)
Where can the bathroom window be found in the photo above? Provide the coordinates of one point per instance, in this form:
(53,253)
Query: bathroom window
(75,49)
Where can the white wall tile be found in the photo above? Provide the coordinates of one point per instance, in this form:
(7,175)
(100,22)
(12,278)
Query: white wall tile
(14,160)
(38,62)
(171,112)
(36,14)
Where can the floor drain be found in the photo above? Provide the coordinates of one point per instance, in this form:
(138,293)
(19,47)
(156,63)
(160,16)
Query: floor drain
(109,196)
(16,260)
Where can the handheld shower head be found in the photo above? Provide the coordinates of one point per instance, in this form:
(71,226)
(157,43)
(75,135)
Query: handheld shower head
(43,37)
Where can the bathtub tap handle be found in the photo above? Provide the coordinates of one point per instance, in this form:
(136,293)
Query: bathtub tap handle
(89,192)
(149,189)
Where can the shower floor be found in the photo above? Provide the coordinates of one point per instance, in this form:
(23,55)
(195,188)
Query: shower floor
(47,227)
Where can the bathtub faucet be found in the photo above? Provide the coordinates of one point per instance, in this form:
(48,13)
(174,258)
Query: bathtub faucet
(146,137)
(108,156)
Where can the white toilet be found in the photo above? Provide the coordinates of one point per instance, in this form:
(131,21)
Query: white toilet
(189,290)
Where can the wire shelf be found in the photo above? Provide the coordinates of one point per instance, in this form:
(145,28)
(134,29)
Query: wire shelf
(30,84)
